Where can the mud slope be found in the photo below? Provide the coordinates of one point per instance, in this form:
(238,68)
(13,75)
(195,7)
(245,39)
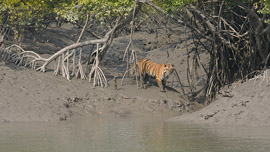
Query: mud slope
(246,103)
(27,95)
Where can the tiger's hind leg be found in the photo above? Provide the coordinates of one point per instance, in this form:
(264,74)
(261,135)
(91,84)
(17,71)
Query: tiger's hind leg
(141,80)
(145,79)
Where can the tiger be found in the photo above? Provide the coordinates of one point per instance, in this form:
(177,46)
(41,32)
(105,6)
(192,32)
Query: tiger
(149,68)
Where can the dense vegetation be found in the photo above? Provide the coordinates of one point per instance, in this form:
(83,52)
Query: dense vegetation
(235,33)
(20,15)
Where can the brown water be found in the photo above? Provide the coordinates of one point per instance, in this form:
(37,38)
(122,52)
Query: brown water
(141,134)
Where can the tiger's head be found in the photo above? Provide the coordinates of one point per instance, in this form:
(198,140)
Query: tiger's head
(168,69)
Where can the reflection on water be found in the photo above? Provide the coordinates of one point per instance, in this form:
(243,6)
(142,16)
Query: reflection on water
(150,134)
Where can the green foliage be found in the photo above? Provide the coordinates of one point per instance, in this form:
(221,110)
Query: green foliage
(171,6)
(19,15)
(264,9)
(102,10)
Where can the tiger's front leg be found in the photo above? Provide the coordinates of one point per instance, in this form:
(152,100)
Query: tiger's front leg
(160,84)
(164,83)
